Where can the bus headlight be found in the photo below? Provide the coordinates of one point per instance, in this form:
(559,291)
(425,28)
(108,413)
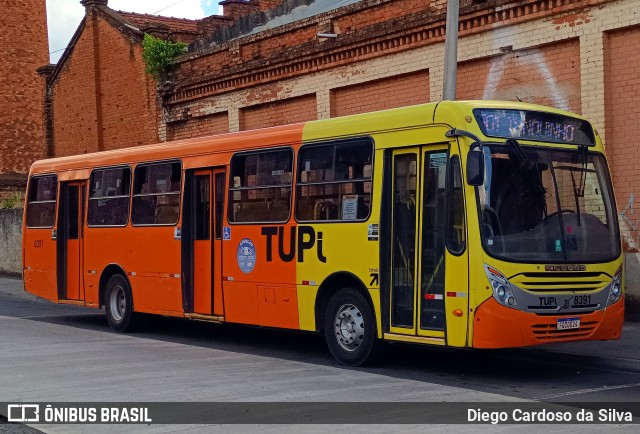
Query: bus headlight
(502,290)
(615,289)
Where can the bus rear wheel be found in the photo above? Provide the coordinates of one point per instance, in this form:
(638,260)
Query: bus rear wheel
(349,327)
(119,304)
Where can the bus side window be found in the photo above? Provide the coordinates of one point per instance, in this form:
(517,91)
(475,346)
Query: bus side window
(109,197)
(41,201)
(455,208)
(334,181)
(260,189)
(156,194)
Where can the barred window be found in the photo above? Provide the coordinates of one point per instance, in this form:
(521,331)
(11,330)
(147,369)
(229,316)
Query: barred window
(156,194)
(41,201)
(334,181)
(260,188)
(109,197)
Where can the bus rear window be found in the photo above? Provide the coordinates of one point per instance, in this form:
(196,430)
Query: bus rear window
(109,197)
(156,194)
(41,202)
(261,187)
(334,181)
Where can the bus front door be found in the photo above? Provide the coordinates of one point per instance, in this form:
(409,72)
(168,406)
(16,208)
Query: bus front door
(207,207)
(69,240)
(421,286)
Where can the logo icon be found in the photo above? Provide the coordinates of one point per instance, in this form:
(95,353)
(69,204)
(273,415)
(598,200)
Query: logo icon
(246,256)
(226,233)
(23,413)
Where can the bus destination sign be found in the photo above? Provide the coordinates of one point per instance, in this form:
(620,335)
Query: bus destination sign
(535,126)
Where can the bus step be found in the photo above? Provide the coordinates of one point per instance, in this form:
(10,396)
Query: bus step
(414,339)
(202,317)
(73,302)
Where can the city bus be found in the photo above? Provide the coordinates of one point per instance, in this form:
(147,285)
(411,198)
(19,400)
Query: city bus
(477,224)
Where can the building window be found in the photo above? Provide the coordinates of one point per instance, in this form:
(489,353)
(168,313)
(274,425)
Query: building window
(156,194)
(334,181)
(41,202)
(260,188)
(109,197)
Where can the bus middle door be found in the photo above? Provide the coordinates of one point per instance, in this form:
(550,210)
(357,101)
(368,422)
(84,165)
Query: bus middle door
(428,283)
(69,240)
(207,210)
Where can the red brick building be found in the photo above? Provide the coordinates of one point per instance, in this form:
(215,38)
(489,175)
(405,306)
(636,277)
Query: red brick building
(23,49)
(98,95)
(267,62)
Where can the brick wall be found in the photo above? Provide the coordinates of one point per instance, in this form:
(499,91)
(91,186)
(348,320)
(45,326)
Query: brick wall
(397,91)
(23,49)
(102,98)
(128,102)
(268,47)
(279,113)
(75,117)
(389,10)
(622,96)
(201,126)
(548,75)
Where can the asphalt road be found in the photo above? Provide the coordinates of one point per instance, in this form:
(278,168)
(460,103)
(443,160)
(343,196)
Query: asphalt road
(53,353)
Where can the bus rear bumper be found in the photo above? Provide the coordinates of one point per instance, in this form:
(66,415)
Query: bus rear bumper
(497,326)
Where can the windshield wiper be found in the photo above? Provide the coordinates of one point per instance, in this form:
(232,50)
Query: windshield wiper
(584,155)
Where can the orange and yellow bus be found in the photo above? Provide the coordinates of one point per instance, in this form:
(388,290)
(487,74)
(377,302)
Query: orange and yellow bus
(464,224)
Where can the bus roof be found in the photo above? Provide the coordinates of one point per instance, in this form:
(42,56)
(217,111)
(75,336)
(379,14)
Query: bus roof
(442,112)
(229,142)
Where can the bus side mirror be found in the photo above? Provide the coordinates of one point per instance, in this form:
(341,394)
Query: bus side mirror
(475,168)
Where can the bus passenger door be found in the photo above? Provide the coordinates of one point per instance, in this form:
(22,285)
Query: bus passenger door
(422,286)
(69,240)
(207,209)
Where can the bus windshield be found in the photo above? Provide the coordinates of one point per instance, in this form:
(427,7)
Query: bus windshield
(547,205)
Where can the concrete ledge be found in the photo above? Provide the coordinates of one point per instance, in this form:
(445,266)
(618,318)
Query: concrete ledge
(11,241)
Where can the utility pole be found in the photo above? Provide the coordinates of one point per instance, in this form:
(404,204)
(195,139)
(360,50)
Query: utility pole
(451,50)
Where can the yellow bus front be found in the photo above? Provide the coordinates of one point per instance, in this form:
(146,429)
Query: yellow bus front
(545,259)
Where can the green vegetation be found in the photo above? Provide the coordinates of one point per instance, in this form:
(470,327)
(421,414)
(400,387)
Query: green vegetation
(13,201)
(160,56)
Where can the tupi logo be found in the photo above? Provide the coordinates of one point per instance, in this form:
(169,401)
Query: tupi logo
(300,238)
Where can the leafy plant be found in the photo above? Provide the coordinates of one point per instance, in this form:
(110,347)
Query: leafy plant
(13,201)
(160,56)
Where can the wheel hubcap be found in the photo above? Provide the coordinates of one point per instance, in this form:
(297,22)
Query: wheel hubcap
(117,303)
(349,327)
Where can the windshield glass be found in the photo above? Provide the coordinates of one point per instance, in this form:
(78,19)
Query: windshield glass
(546,205)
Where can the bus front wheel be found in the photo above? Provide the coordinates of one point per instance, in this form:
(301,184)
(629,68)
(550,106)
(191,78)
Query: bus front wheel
(119,304)
(349,327)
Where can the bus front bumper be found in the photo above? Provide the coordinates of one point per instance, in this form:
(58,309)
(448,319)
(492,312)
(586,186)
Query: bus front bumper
(497,326)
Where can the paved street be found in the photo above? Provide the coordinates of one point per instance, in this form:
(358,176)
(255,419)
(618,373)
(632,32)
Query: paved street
(62,353)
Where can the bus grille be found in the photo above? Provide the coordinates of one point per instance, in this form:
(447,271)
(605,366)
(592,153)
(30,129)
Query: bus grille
(549,333)
(549,282)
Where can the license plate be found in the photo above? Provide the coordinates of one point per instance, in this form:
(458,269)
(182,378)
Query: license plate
(568,323)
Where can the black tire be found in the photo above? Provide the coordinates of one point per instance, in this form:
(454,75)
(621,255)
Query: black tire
(350,328)
(118,305)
